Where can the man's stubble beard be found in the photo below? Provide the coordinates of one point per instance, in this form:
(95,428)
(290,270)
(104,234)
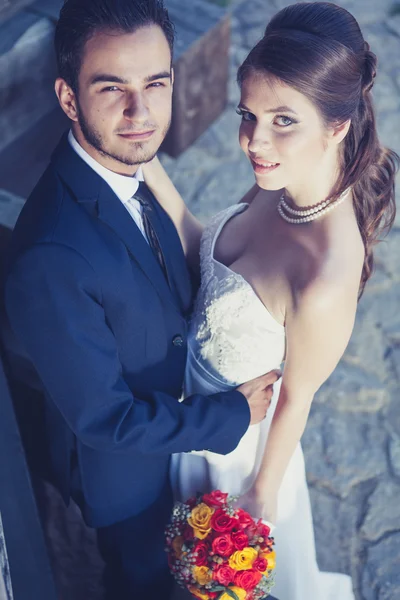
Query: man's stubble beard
(94,139)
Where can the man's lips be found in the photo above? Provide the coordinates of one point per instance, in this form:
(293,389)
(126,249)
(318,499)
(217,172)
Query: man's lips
(263,167)
(135,136)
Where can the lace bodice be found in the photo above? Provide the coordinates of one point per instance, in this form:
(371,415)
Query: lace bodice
(232,336)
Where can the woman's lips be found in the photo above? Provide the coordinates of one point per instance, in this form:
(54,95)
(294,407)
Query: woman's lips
(264,167)
(138,137)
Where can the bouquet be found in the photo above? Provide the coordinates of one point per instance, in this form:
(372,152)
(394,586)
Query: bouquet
(219,552)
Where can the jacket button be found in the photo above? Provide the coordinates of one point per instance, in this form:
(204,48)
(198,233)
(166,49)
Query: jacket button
(178,341)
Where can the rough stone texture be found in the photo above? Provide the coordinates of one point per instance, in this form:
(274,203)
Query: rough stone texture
(352,441)
(196,70)
(27,72)
(10,207)
(5,582)
(383,512)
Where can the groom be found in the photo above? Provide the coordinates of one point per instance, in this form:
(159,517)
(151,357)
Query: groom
(98,292)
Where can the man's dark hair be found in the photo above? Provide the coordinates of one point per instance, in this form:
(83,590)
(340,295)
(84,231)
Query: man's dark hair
(81,19)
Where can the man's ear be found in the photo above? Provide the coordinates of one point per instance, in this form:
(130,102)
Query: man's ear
(337,133)
(172,76)
(66,98)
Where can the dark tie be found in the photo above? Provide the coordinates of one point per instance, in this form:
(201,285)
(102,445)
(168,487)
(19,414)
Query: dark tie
(148,216)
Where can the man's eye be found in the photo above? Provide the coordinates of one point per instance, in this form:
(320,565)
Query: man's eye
(283,121)
(156,84)
(111,88)
(246,115)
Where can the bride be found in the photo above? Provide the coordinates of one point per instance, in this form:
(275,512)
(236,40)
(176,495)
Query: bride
(282,271)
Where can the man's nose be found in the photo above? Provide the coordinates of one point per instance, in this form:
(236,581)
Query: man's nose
(136,108)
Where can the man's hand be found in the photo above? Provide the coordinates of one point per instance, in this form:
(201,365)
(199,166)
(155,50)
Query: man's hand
(258,394)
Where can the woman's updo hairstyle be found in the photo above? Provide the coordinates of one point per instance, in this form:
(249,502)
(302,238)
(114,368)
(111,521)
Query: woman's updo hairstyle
(318,49)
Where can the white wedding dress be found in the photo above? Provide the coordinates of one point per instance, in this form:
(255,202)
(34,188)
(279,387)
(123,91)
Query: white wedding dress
(232,339)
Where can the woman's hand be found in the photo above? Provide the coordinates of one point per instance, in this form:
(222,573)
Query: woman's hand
(264,506)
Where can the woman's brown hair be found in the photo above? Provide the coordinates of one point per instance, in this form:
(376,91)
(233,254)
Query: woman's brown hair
(318,49)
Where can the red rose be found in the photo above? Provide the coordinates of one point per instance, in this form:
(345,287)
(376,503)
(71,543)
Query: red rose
(245,520)
(201,549)
(223,545)
(247,579)
(215,499)
(213,595)
(221,521)
(240,539)
(263,530)
(224,574)
(260,564)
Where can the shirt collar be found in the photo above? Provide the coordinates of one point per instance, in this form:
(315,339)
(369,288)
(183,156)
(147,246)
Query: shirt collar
(123,186)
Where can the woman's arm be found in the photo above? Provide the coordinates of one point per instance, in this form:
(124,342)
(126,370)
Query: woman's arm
(188,227)
(318,330)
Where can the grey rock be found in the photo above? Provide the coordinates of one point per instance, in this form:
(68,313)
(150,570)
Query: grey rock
(392,413)
(368,11)
(393,24)
(6,592)
(381,574)
(77,564)
(27,73)
(335,523)
(388,126)
(343,450)
(394,454)
(385,93)
(383,512)
(10,207)
(48,8)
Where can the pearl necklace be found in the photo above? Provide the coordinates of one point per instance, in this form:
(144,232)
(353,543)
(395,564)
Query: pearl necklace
(311,214)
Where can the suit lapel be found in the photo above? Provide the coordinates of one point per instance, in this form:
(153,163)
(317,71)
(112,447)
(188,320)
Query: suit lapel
(98,199)
(113,213)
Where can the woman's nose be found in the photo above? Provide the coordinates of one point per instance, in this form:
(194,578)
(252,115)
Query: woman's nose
(260,140)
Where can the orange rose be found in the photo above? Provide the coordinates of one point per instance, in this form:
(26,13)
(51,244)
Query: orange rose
(200,520)
(202,575)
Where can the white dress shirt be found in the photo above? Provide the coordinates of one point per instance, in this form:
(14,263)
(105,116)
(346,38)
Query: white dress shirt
(123,186)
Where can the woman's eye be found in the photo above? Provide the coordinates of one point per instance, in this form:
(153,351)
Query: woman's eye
(284,121)
(246,115)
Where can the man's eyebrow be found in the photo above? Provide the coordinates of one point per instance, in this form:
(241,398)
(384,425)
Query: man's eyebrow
(107,78)
(278,109)
(162,75)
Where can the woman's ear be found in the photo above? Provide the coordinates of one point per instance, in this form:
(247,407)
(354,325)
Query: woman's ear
(337,133)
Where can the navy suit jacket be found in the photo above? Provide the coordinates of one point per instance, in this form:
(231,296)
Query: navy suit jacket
(107,337)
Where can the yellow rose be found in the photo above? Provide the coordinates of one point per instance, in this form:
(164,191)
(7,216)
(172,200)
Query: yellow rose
(200,519)
(197,593)
(240,593)
(177,545)
(243,559)
(202,575)
(271,559)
